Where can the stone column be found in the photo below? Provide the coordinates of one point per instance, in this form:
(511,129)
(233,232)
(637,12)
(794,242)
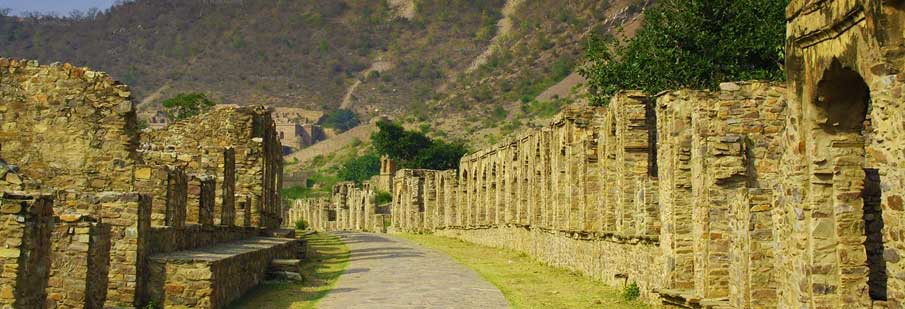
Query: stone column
(26,224)
(228,189)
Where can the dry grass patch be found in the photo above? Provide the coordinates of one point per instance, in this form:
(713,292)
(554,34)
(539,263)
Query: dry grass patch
(524,281)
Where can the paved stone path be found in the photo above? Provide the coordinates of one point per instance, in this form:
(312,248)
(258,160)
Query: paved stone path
(388,272)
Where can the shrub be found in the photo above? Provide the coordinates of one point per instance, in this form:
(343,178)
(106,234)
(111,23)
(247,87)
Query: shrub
(185,105)
(340,120)
(301,225)
(383,197)
(631,292)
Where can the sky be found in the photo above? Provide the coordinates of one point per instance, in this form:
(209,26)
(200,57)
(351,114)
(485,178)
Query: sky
(62,7)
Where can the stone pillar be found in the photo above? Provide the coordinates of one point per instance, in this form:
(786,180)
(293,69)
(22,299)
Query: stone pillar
(676,238)
(206,199)
(176,198)
(719,181)
(25,226)
(639,216)
(228,190)
(80,254)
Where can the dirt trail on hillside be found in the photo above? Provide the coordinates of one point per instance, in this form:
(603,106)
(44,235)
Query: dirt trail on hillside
(504,27)
(330,145)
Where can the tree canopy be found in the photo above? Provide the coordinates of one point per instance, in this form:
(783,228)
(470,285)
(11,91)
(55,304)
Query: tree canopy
(360,168)
(414,149)
(690,44)
(185,105)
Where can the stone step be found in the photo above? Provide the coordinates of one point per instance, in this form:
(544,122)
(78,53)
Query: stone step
(290,265)
(284,276)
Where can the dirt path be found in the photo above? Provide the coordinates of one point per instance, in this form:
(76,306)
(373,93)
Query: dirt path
(388,272)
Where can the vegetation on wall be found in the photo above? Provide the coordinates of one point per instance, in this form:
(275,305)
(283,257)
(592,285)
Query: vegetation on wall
(185,105)
(693,44)
(413,149)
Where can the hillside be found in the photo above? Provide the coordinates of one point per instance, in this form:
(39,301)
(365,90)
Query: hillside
(530,73)
(282,53)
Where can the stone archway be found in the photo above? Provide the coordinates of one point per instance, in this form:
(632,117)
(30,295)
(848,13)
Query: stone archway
(847,213)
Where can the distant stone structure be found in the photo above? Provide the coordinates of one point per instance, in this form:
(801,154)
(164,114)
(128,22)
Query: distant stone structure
(159,120)
(97,214)
(758,195)
(298,128)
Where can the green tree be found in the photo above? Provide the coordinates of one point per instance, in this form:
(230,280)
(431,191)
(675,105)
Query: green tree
(440,156)
(414,149)
(340,120)
(185,105)
(360,168)
(397,143)
(690,43)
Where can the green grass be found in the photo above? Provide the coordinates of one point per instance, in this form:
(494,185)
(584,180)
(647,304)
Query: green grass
(524,281)
(327,259)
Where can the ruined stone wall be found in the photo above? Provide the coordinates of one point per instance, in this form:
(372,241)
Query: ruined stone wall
(169,239)
(351,208)
(69,127)
(756,195)
(80,257)
(71,132)
(128,216)
(229,144)
(845,61)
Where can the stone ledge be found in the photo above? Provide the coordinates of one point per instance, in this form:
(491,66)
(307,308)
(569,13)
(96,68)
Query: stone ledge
(223,251)
(213,277)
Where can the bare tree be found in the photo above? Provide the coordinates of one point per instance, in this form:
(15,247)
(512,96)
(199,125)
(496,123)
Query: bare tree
(76,15)
(5,12)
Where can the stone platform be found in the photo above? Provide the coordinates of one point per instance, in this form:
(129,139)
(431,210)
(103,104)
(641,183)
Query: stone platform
(214,276)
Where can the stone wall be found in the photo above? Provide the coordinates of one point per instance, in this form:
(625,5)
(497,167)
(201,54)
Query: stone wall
(80,255)
(844,135)
(352,207)
(45,129)
(169,239)
(128,217)
(237,146)
(213,278)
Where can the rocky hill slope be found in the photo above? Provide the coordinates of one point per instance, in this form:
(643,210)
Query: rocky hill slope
(472,69)
(283,53)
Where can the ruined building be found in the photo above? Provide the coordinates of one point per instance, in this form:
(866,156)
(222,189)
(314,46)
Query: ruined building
(758,195)
(97,214)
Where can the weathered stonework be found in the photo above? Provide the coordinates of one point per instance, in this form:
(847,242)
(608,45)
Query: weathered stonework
(25,227)
(702,198)
(237,146)
(86,242)
(43,126)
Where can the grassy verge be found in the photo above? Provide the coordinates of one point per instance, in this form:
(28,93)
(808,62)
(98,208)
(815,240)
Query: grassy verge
(524,281)
(327,259)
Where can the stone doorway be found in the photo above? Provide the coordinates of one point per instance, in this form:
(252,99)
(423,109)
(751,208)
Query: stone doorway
(843,128)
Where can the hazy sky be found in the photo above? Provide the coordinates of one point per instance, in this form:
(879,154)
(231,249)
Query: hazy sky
(63,7)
